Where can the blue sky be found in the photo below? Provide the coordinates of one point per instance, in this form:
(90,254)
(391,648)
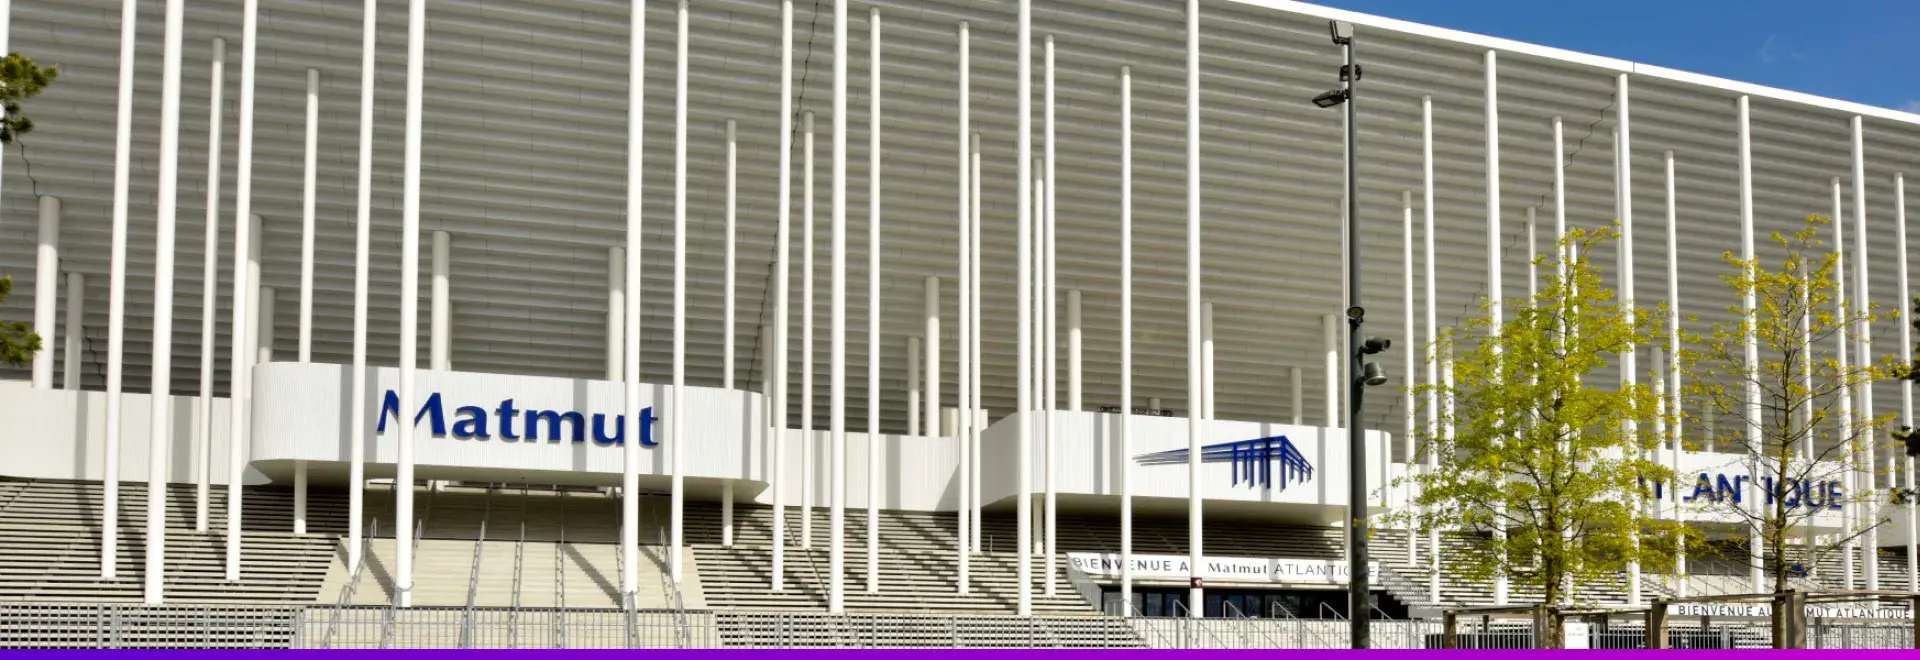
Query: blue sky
(1859,50)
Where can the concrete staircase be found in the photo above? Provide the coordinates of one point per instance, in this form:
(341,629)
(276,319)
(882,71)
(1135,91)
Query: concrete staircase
(51,540)
(741,629)
(918,570)
(1458,590)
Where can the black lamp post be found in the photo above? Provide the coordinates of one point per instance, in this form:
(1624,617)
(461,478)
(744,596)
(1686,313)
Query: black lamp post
(1364,374)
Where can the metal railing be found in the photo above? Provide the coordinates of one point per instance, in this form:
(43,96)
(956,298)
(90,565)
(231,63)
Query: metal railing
(473,573)
(496,627)
(352,586)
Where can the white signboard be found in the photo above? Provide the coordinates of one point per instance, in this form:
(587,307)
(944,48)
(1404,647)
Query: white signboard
(1765,610)
(1223,569)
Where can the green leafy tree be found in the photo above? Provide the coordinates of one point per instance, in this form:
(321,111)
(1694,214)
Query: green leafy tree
(20,79)
(1540,458)
(1794,395)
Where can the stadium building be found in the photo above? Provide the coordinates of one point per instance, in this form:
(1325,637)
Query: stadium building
(753,307)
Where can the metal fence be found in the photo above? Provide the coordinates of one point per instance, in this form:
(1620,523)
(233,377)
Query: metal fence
(501,628)
(140,627)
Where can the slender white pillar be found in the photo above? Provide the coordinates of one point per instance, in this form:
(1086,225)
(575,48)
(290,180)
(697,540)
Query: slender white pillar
(726,330)
(1863,339)
(299,497)
(806,336)
(262,308)
(1330,341)
(837,338)
(1432,347)
(677,433)
(913,385)
(440,326)
(873,304)
(239,382)
(781,358)
(931,292)
(117,301)
(630,325)
(1195,417)
(1052,290)
(1023,470)
(264,323)
(1748,340)
(46,288)
(1206,359)
(308,183)
(1629,369)
(1298,403)
(616,310)
(160,438)
(1906,387)
(409,298)
(726,514)
(1495,295)
(1126,343)
(980,416)
(209,287)
(1075,383)
(1842,307)
(362,255)
(964,519)
(1411,407)
(76,343)
(1675,389)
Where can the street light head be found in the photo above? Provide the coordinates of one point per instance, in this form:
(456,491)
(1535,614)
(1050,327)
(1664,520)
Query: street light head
(1356,313)
(1372,374)
(1330,98)
(1342,32)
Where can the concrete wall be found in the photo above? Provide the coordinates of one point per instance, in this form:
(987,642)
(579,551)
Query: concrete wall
(62,434)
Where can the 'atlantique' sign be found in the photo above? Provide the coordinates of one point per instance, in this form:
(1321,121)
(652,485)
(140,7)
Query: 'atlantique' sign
(1222,569)
(512,424)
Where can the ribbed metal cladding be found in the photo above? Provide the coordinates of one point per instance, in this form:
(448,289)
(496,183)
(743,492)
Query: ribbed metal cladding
(524,166)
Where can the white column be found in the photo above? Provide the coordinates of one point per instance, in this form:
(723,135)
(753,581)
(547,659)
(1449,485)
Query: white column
(726,330)
(1023,153)
(616,310)
(1863,338)
(409,299)
(46,288)
(1206,359)
(1075,381)
(726,514)
(964,519)
(239,382)
(1126,342)
(309,182)
(117,297)
(931,292)
(160,438)
(1408,402)
(262,309)
(806,337)
(1330,340)
(299,497)
(837,339)
(1494,293)
(264,323)
(1195,418)
(362,249)
(913,385)
(779,360)
(1675,390)
(973,296)
(873,305)
(1629,370)
(1750,344)
(76,343)
(1052,395)
(1298,404)
(1432,348)
(209,286)
(1906,357)
(630,329)
(440,327)
(1842,307)
(678,420)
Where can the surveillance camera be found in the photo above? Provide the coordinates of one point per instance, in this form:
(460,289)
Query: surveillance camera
(1375,345)
(1330,98)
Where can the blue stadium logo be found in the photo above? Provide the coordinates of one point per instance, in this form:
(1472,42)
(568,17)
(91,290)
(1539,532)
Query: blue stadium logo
(1253,460)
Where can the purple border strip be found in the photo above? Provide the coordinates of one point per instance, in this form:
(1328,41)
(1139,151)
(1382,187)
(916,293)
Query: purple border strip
(972,654)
